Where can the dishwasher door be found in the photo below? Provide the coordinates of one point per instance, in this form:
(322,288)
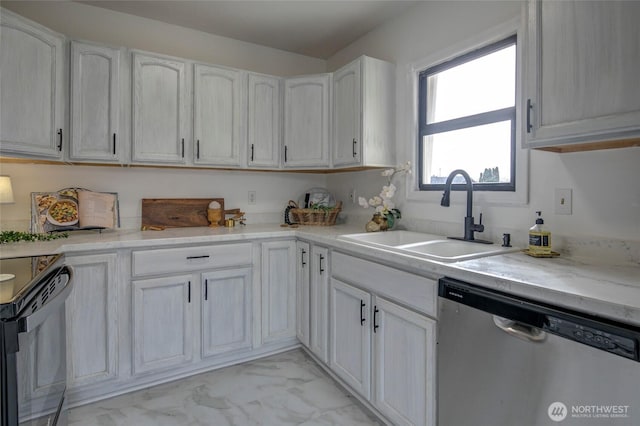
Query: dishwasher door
(488,377)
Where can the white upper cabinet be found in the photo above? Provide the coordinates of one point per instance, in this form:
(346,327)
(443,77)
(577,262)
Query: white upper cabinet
(218,115)
(264,136)
(32,88)
(364,114)
(307,121)
(95,103)
(159,119)
(582,83)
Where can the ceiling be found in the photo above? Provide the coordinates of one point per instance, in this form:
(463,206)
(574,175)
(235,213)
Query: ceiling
(317,28)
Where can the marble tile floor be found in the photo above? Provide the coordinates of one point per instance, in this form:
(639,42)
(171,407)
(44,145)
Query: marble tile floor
(283,389)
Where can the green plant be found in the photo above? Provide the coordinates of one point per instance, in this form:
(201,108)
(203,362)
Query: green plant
(16,236)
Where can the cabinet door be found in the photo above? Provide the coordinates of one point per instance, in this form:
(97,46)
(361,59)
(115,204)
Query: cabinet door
(217,115)
(92,320)
(263,126)
(582,83)
(404,364)
(95,103)
(159,117)
(306,121)
(319,297)
(350,355)
(347,115)
(32,89)
(226,311)
(278,291)
(303,255)
(162,323)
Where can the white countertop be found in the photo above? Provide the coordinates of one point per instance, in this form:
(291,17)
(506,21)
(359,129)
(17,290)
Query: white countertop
(588,285)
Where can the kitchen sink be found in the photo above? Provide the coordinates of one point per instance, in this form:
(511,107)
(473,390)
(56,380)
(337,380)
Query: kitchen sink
(433,247)
(454,250)
(391,238)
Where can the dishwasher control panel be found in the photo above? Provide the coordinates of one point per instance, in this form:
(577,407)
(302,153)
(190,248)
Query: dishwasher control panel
(592,336)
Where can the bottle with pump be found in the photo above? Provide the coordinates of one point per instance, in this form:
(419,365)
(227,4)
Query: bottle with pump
(539,239)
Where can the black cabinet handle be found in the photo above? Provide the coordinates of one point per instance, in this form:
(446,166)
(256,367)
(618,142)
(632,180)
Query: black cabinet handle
(362,305)
(354,147)
(302,253)
(204,256)
(114,144)
(375,319)
(189,292)
(206,289)
(285,153)
(321,268)
(197,149)
(60,140)
(529,108)
(251,152)
(182,148)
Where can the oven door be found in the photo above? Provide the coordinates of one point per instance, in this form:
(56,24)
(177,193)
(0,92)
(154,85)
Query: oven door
(41,362)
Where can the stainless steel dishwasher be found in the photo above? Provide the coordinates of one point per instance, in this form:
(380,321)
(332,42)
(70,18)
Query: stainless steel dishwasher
(504,361)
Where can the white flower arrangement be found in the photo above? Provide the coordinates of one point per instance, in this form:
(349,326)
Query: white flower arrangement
(383,203)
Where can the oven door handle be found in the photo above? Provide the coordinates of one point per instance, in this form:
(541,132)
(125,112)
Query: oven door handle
(31,322)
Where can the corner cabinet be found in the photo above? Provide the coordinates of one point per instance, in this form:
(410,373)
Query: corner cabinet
(32,88)
(218,115)
(278,291)
(307,121)
(95,104)
(303,304)
(581,89)
(159,113)
(264,135)
(364,114)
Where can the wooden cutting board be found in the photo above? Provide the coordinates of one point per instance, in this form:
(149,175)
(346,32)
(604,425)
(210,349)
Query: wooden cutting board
(177,212)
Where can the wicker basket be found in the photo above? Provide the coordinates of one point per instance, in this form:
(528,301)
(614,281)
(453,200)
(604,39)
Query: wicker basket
(314,216)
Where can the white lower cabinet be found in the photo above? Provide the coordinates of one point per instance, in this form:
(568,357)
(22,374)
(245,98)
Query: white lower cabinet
(303,306)
(351,336)
(92,321)
(319,302)
(162,318)
(403,354)
(278,291)
(382,350)
(226,311)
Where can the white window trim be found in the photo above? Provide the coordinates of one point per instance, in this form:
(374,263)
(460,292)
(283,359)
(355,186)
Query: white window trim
(496,198)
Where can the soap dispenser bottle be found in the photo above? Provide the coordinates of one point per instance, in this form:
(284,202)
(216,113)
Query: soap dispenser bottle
(539,239)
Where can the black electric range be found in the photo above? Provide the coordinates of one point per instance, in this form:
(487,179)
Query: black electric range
(33,291)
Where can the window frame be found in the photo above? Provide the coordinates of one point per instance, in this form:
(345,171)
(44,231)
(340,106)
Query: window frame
(489,117)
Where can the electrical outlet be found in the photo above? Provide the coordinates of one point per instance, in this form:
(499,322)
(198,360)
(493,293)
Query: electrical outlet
(352,195)
(252,197)
(563,202)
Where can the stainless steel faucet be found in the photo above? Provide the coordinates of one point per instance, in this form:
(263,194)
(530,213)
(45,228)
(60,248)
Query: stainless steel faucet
(469,226)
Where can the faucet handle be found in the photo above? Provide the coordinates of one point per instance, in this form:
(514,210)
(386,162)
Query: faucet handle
(480,223)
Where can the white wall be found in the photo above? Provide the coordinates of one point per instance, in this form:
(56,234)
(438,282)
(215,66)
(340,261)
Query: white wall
(606,193)
(273,190)
(81,21)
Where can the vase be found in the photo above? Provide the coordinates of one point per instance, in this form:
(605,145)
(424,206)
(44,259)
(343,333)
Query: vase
(377,223)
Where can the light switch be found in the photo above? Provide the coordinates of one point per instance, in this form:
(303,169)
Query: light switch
(563,201)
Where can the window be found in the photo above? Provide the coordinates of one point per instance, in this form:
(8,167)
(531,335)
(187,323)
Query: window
(467,119)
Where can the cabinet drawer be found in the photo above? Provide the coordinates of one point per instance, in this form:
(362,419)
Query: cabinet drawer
(417,292)
(187,259)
